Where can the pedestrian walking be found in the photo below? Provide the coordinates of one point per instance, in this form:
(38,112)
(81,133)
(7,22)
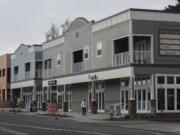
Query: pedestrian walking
(83,107)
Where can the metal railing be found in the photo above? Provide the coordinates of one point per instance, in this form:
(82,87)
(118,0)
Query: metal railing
(121,59)
(15,77)
(27,75)
(47,73)
(142,57)
(38,74)
(77,67)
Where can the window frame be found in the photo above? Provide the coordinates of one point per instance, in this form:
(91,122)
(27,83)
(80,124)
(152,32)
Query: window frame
(86,51)
(59,59)
(99,47)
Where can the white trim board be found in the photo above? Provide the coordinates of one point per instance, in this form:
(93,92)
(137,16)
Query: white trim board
(22,84)
(103,75)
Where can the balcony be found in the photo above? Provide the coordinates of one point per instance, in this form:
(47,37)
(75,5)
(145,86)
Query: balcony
(47,73)
(27,75)
(77,67)
(142,57)
(38,74)
(15,77)
(121,59)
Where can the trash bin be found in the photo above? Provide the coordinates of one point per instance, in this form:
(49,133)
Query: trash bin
(44,106)
(94,107)
(65,107)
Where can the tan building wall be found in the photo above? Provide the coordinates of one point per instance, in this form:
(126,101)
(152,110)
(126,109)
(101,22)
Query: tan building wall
(5,64)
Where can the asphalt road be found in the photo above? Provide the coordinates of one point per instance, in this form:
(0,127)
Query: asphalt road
(18,124)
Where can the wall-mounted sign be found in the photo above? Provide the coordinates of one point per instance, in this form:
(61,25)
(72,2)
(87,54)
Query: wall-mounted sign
(52,82)
(169,42)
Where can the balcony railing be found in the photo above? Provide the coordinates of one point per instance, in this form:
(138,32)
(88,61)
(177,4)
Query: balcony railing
(15,77)
(47,73)
(38,74)
(77,67)
(142,57)
(27,75)
(121,59)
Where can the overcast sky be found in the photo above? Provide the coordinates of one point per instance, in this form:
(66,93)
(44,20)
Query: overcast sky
(26,21)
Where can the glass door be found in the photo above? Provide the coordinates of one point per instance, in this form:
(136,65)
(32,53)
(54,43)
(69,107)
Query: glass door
(140,49)
(61,101)
(142,99)
(124,100)
(100,101)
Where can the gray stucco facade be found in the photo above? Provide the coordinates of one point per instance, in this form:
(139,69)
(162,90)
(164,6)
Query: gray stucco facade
(130,60)
(26,74)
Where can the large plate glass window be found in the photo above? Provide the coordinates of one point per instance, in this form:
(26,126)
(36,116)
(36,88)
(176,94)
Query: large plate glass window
(170,99)
(178,99)
(161,99)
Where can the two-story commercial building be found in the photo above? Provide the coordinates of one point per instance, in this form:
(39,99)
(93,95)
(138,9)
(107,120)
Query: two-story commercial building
(5,74)
(131,58)
(26,74)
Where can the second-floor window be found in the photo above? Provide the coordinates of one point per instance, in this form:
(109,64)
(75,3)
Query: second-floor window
(99,48)
(16,70)
(59,61)
(27,67)
(47,64)
(86,52)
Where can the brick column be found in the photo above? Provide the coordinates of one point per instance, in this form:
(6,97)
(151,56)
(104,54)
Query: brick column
(153,107)
(132,107)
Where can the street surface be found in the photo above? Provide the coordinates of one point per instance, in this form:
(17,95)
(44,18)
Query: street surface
(18,124)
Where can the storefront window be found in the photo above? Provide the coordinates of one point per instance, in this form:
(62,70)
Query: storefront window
(178,99)
(177,80)
(170,99)
(161,99)
(170,80)
(160,80)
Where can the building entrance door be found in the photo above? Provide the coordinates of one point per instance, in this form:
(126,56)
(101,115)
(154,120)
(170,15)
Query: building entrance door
(27,100)
(60,101)
(124,100)
(143,100)
(100,101)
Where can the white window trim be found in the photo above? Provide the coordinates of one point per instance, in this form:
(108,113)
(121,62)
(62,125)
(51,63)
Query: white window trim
(166,86)
(86,47)
(59,59)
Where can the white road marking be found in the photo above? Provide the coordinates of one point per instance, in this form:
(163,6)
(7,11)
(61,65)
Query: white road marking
(12,131)
(52,129)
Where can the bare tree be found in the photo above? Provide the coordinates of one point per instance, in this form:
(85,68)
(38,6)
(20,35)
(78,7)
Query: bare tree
(65,26)
(52,33)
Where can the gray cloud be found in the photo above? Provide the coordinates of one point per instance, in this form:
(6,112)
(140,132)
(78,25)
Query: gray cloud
(26,21)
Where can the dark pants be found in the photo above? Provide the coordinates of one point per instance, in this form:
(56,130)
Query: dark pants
(84,111)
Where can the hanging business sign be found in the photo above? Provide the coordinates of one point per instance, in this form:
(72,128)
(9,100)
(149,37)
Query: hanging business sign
(169,42)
